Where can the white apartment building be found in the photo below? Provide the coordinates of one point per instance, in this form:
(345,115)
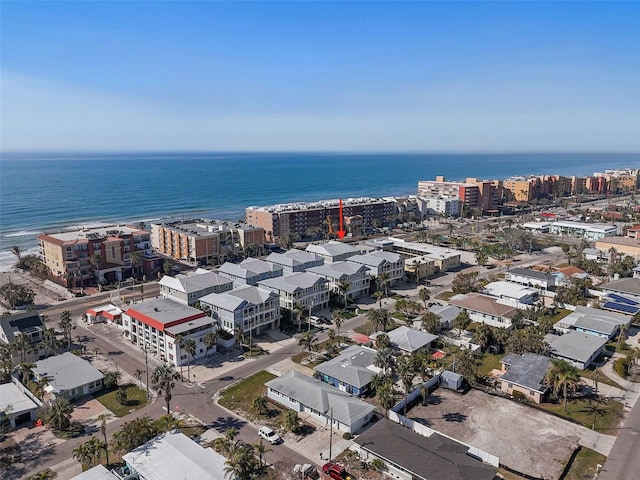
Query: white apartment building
(590,231)
(246,307)
(155,325)
(357,276)
(189,288)
(250,271)
(295,260)
(333,251)
(448,207)
(380,262)
(306,289)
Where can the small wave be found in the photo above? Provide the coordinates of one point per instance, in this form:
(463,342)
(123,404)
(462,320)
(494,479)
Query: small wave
(95,224)
(23,233)
(8,259)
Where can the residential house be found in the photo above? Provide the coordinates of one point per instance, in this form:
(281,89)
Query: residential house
(294,260)
(515,294)
(333,251)
(337,273)
(579,349)
(250,271)
(100,472)
(68,375)
(446,314)
(189,288)
(593,321)
(531,278)
(525,374)
(485,309)
(443,258)
(173,455)
(627,287)
(29,324)
(380,262)
(158,325)
(323,402)
(408,340)
(351,371)
(248,308)
(17,407)
(305,289)
(620,304)
(408,455)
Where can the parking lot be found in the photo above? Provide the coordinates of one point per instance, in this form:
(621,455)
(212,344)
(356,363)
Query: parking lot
(525,439)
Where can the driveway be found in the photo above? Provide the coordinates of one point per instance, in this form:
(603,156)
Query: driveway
(525,439)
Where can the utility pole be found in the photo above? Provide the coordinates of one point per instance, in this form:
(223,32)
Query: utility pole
(146,368)
(330,433)
(595,413)
(309,319)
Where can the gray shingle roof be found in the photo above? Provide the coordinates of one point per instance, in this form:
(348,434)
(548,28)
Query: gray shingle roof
(321,397)
(575,345)
(292,282)
(595,320)
(526,370)
(26,322)
(67,371)
(351,366)
(527,272)
(338,270)
(624,285)
(294,257)
(194,282)
(429,458)
(409,340)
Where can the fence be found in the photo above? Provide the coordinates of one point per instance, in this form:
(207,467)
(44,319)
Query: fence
(26,391)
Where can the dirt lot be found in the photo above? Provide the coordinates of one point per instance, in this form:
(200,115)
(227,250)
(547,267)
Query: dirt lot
(525,439)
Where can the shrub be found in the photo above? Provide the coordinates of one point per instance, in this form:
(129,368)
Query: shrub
(621,366)
(347,436)
(378,465)
(521,397)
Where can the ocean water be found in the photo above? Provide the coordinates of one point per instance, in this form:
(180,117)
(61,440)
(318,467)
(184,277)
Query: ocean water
(51,192)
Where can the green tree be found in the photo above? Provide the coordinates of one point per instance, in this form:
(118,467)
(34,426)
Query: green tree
(6,362)
(465,364)
(59,414)
(430,323)
(24,370)
(309,341)
(482,258)
(103,417)
(406,374)
(382,341)
(260,405)
(96,262)
(189,346)
(379,318)
(462,321)
(378,295)
(483,336)
(210,340)
(111,378)
(562,377)
(385,361)
(20,344)
(465,282)
(260,448)
(121,395)
(338,318)
(386,396)
(84,454)
(13,295)
(136,260)
(291,421)
(344,287)
(65,325)
(297,310)
(163,379)
(134,433)
(383,280)
(425,295)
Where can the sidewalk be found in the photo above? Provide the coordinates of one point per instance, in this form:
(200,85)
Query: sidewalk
(632,390)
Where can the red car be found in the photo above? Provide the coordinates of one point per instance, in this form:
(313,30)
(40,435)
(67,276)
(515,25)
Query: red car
(335,471)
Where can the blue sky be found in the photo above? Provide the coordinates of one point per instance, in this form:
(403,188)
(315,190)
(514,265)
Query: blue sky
(328,76)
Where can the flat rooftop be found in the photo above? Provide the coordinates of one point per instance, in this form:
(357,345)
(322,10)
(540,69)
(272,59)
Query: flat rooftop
(96,233)
(12,399)
(164,310)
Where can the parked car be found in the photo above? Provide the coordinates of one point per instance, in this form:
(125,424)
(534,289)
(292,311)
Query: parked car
(306,472)
(335,471)
(269,435)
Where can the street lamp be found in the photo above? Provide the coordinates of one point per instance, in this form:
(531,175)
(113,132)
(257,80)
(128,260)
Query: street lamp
(309,319)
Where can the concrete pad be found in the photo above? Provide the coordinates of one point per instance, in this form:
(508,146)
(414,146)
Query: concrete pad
(287,365)
(67,469)
(87,409)
(528,440)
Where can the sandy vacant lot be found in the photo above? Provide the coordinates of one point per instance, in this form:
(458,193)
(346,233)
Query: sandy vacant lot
(525,439)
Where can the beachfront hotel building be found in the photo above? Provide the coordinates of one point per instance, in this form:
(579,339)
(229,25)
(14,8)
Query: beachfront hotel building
(473,193)
(71,256)
(205,241)
(159,324)
(306,218)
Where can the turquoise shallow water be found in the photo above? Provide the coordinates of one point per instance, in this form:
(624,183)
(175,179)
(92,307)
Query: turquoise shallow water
(42,191)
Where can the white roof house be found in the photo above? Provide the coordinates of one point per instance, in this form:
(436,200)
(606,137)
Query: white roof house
(99,472)
(517,293)
(189,288)
(577,348)
(295,260)
(69,375)
(304,288)
(16,405)
(333,251)
(173,455)
(250,271)
(593,321)
(305,394)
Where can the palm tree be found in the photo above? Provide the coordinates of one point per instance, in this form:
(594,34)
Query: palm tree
(430,323)
(210,340)
(461,321)
(65,325)
(164,378)
(382,341)
(483,336)
(261,449)
(297,309)
(338,318)
(344,287)
(379,318)
(39,387)
(291,421)
(121,395)
(49,341)
(96,261)
(406,373)
(138,374)
(59,416)
(425,295)
(562,376)
(189,346)
(240,462)
(386,396)
(24,370)
(378,296)
(260,405)
(6,362)
(383,280)
(331,335)
(20,344)
(385,361)
(136,260)
(17,251)
(84,453)
(309,340)
(103,417)
(134,433)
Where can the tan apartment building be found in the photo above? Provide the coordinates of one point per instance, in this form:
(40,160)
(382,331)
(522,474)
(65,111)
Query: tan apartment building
(473,193)
(71,256)
(304,219)
(205,241)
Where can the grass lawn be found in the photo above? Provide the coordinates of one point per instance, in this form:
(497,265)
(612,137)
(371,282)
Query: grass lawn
(488,362)
(399,316)
(602,378)
(136,398)
(446,295)
(239,397)
(584,466)
(582,411)
(560,315)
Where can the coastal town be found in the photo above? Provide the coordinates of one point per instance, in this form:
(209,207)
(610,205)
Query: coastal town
(477,329)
